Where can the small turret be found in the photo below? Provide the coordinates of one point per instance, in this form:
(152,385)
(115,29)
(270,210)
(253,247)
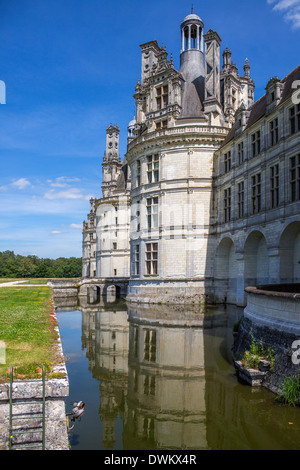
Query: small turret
(192,66)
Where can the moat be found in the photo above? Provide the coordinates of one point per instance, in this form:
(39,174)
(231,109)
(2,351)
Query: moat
(163,378)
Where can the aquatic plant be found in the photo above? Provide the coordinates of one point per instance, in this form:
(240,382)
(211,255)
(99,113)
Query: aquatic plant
(256,353)
(290,390)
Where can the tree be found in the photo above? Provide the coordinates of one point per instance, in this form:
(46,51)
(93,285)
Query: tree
(12,265)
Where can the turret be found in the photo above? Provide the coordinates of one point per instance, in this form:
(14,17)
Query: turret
(111,162)
(192,65)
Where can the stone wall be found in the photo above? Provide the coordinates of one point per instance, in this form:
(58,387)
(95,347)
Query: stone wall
(273,318)
(56,434)
(64,288)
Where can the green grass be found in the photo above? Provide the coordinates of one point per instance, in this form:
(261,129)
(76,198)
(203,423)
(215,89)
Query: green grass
(290,390)
(256,352)
(26,329)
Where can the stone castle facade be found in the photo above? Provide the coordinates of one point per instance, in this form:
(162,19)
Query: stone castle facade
(207,199)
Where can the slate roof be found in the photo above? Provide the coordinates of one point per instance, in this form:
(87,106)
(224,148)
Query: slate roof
(258,109)
(123,177)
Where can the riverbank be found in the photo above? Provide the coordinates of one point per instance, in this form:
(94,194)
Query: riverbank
(28,330)
(29,339)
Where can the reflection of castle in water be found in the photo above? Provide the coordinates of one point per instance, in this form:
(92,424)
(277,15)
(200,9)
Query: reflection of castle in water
(151,370)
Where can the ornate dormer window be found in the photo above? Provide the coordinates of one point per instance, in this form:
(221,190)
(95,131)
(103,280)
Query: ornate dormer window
(162,97)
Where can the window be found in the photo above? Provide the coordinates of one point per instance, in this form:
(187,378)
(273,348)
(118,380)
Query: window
(161,125)
(115,272)
(152,212)
(151,258)
(256,193)
(153,168)
(161,97)
(227,162)
(137,260)
(115,246)
(233,98)
(138,216)
(241,152)
(227,204)
(241,199)
(274,185)
(149,385)
(138,173)
(255,143)
(136,341)
(295,178)
(150,346)
(295,119)
(274,131)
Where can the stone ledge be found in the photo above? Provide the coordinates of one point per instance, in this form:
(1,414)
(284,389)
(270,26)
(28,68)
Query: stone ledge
(253,377)
(289,291)
(26,389)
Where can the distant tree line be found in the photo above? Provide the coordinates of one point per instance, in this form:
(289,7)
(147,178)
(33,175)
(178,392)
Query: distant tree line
(17,266)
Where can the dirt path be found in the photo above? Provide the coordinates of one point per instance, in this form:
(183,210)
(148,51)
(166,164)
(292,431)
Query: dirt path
(20,284)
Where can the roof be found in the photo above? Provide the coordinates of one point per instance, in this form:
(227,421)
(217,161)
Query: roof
(192,16)
(192,19)
(258,109)
(122,179)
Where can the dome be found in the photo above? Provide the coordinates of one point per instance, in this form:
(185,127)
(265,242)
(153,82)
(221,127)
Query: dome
(192,17)
(132,123)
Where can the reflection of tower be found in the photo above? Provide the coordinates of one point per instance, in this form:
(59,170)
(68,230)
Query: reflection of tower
(111,368)
(166,383)
(108,412)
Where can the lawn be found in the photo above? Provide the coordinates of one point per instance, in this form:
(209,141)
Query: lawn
(27,332)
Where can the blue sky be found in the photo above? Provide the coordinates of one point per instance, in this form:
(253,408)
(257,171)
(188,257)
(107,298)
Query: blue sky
(70,68)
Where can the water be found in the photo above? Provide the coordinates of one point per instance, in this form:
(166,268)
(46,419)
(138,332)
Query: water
(157,378)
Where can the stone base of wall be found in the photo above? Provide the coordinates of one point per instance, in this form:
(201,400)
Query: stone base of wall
(169,292)
(56,433)
(64,288)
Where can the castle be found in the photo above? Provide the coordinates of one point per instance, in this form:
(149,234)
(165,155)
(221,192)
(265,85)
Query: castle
(207,199)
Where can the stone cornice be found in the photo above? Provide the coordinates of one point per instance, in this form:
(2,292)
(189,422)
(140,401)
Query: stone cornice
(177,135)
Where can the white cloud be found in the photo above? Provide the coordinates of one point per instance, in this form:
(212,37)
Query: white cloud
(72,193)
(290,8)
(55,232)
(76,225)
(62,181)
(21,183)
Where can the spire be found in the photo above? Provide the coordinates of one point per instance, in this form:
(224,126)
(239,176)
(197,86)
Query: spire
(246,69)
(192,11)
